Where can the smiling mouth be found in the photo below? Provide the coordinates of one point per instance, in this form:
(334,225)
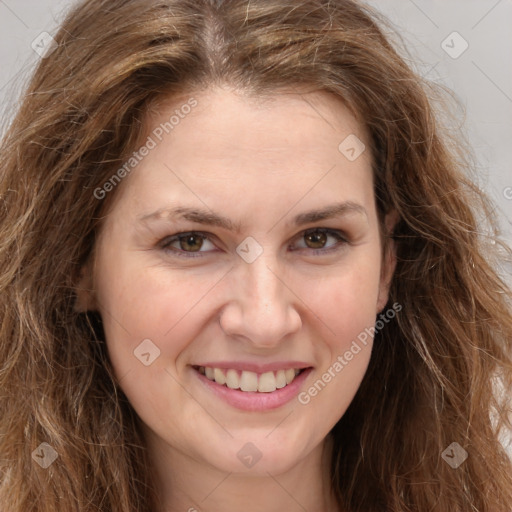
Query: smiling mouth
(250,381)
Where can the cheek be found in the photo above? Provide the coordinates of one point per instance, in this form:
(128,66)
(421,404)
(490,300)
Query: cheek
(351,316)
(157,303)
(149,316)
(346,301)
(346,304)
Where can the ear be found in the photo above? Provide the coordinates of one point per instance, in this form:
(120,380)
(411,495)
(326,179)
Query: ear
(84,291)
(388,260)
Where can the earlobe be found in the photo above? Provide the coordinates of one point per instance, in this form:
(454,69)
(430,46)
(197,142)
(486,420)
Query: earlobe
(388,260)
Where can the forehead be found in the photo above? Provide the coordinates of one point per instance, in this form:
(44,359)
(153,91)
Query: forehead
(250,121)
(228,146)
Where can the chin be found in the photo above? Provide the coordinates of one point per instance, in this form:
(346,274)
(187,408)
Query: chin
(258,457)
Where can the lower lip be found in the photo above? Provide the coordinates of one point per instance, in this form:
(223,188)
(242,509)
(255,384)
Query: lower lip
(254,400)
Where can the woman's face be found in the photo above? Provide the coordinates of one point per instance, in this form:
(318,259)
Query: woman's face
(263,288)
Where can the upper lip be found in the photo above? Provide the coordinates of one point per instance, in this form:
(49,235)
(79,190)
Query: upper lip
(255,367)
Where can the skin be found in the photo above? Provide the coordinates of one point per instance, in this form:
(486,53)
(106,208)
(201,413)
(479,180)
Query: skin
(258,163)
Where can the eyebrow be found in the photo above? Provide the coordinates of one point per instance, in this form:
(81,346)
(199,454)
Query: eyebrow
(210,218)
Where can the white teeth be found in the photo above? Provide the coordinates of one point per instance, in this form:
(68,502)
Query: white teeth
(232,380)
(290,375)
(218,376)
(250,381)
(280,379)
(267,382)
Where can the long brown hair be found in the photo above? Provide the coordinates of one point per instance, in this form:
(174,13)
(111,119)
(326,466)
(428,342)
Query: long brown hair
(432,374)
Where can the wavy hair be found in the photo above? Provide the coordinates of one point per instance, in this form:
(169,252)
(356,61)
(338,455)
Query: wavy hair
(434,372)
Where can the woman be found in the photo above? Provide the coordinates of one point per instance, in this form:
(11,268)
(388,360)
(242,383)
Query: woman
(242,270)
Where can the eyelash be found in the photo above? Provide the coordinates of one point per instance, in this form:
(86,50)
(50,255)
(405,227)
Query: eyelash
(166,242)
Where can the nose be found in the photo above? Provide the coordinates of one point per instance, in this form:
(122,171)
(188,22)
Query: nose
(263,307)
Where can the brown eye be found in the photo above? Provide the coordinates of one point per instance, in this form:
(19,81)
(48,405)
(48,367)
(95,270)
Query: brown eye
(187,244)
(317,239)
(192,242)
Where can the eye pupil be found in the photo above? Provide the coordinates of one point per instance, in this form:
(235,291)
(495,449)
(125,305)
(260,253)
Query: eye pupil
(189,239)
(317,237)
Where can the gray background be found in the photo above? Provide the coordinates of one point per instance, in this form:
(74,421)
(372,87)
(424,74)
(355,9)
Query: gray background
(481,76)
